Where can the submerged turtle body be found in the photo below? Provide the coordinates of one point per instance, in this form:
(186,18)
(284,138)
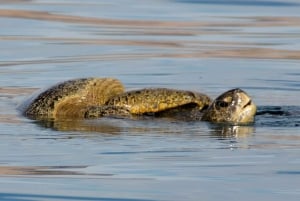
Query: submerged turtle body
(97,97)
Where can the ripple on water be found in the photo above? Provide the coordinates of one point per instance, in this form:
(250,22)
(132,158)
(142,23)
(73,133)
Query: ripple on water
(176,44)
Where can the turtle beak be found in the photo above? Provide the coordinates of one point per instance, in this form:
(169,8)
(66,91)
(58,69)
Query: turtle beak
(243,108)
(233,106)
(248,108)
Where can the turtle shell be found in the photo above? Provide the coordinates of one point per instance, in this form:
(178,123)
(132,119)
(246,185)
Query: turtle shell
(71,98)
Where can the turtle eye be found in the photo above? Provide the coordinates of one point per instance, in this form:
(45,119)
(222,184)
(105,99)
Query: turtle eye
(222,104)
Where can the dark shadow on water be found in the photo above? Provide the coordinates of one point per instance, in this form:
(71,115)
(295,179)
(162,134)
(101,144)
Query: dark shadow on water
(288,172)
(278,116)
(28,197)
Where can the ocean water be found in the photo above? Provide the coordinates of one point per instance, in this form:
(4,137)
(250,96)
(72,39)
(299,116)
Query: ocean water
(207,46)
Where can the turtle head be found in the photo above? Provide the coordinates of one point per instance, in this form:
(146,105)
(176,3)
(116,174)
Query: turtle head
(233,106)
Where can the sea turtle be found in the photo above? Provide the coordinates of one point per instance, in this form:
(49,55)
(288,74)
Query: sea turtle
(97,97)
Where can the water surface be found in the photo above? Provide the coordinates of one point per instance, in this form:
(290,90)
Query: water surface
(207,46)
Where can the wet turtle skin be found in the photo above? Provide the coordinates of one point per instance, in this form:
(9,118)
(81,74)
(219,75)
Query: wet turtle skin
(233,106)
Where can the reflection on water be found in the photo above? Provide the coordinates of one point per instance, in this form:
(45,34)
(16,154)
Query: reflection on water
(242,2)
(270,116)
(231,131)
(171,39)
(81,125)
(21,197)
(114,126)
(46,170)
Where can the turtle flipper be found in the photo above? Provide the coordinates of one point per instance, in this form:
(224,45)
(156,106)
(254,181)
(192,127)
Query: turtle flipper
(154,100)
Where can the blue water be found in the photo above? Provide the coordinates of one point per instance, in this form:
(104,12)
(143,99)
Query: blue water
(207,46)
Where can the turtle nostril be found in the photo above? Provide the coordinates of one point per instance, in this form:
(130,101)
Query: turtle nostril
(248,104)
